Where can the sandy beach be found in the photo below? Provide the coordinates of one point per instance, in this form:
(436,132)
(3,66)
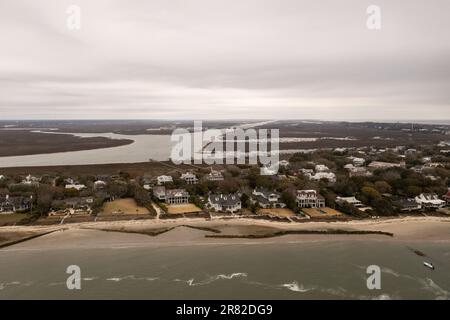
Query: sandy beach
(190,231)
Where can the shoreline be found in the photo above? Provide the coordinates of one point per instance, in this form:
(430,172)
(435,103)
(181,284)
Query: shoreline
(194,231)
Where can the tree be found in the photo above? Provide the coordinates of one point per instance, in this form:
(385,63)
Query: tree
(245,200)
(44,198)
(289,199)
(371,193)
(413,191)
(383,187)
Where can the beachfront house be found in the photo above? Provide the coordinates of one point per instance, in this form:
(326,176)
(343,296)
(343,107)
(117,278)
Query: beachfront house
(225,202)
(349,200)
(189,178)
(430,201)
(177,196)
(164,179)
(309,199)
(72,206)
(267,199)
(407,204)
(171,196)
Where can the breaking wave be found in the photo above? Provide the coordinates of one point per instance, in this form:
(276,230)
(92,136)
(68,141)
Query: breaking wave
(294,286)
(211,279)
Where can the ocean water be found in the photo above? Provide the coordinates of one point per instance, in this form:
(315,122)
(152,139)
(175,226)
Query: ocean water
(310,270)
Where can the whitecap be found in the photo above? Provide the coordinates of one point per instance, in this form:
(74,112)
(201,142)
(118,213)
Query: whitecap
(294,286)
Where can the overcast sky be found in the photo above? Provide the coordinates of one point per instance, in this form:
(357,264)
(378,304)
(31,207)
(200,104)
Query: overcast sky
(174,59)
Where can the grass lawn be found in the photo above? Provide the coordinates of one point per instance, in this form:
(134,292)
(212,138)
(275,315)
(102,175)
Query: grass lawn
(183,208)
(11,218)
(123,206)
(322,212)
(280,212)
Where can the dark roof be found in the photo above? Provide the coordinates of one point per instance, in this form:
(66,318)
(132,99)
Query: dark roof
(225,199)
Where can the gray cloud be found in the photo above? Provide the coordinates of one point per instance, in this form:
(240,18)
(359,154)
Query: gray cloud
(225,59)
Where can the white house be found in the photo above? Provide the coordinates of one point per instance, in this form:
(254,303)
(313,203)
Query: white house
(214,176)
(99,184)
(30,180)
(383,165)
(164,179)
(357,161)
(189,177)
(177,196)
(330,176)
(321,168)
(309,199)
(171,196)
(350,200)
(359,172)
(75,186)
(225,202)
(430,200)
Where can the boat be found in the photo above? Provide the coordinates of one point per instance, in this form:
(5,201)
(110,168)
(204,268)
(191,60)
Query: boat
(428,265)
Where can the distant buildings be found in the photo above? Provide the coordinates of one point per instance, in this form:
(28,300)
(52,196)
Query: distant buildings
(214,176)
(99,184)
(267,199)
(10,205)
(30,181)
(321,172)
(357,161)
(75,186)
(321,168)
(384,165)
(309,199)
(177,196)
(225,202)
(358,171)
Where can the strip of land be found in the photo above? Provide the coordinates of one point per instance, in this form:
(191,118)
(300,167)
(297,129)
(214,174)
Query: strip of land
(26,142)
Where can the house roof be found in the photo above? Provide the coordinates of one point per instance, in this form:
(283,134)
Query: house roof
(225,199)
(177,193)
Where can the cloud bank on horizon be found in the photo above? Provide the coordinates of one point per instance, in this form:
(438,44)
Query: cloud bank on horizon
(210,59)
